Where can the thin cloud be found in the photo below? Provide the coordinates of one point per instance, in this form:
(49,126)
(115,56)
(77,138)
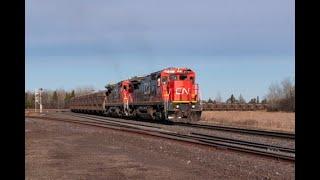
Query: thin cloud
(163,27)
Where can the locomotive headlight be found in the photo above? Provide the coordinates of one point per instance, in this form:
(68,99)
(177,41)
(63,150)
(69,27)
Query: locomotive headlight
(177,106)
(193,106)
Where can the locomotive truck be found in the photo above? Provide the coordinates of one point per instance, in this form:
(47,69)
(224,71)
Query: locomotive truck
(171,94)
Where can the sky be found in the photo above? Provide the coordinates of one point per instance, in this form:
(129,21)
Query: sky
(234,46)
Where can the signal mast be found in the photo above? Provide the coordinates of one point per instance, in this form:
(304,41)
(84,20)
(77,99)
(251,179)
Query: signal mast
(37,97)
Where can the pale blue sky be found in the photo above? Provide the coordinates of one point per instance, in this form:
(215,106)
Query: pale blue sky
(235,46)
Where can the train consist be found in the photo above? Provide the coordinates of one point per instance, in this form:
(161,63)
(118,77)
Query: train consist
(170,94)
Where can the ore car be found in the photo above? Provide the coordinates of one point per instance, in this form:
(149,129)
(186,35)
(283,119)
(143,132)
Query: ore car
(93,103)
(170,94)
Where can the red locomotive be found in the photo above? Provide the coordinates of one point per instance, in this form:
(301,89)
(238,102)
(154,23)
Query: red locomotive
(170,94)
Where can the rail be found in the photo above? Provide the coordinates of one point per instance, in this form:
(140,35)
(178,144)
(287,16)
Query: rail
(275,134)
(237,145)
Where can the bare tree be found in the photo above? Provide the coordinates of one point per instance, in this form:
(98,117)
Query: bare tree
(61,93)
(29,99)
(274,95)
(218,98)
(55,99)
(46,96)
(241,99)
(84,90)
(282,97)
(264,101)
(288,99)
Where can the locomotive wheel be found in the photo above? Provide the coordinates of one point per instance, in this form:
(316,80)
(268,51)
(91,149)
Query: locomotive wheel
(195,116)
(159,116)
(117,112)
(152,113)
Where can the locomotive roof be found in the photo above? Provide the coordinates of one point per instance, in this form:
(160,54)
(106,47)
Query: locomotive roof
(137,79)
(176,70)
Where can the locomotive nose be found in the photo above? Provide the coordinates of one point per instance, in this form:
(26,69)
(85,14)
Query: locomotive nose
(182,91)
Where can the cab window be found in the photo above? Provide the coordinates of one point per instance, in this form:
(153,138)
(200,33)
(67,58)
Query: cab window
(192,79)
(130,88)
(183,77)
(164,79)
(173,77)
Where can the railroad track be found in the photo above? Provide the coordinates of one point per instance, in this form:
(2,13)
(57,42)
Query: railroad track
(205,136)
(241,142)
(194,138)
(274,134)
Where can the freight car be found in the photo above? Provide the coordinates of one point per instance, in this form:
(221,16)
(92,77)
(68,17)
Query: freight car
(93,103)
(170,94)
(232,107)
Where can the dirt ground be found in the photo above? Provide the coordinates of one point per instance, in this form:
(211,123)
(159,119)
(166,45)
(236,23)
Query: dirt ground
(61,150)
(32,112)
(282,121)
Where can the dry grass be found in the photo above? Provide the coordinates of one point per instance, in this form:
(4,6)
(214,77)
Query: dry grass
(281,121)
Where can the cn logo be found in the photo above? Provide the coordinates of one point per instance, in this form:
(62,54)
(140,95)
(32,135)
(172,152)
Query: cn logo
(182,91)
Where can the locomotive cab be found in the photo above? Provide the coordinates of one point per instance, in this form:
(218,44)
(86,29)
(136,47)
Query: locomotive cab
(181,95)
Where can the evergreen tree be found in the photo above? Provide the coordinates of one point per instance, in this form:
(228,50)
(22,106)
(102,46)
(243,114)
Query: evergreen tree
(72,94)
(218,98)
(55,99)
(27,101)
(253,101)
(67,97)
(210,100)
(232,99)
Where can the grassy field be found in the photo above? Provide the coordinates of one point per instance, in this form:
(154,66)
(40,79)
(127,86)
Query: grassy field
(281,121)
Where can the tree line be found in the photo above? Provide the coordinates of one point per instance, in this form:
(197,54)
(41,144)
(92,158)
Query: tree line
(281,97)
(55,99)
(233,100)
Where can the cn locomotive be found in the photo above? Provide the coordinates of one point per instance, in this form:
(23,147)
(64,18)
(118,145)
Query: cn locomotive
(171,94)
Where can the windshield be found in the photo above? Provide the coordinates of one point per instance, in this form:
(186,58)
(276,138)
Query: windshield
(173,77)
(183,77)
